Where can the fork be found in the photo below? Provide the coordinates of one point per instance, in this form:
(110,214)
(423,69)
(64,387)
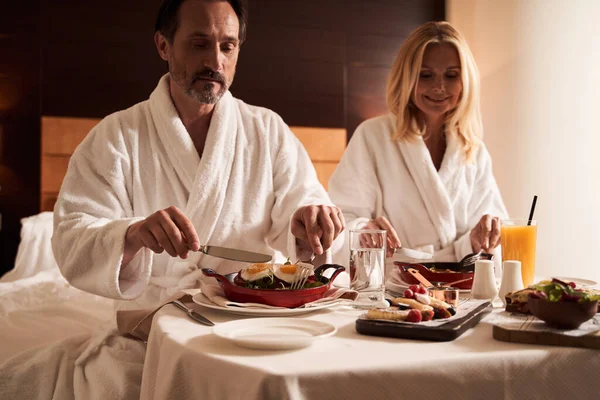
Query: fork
(301,275)
(309,261)
(472,258)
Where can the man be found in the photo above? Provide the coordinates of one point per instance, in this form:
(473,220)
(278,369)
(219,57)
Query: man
(190,166)
(149,185)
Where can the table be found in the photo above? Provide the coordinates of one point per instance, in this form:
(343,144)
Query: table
(185,360)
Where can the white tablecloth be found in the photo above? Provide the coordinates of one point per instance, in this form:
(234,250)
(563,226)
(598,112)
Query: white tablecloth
(186,361)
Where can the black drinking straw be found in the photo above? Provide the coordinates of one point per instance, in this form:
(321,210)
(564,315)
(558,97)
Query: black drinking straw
(532,210)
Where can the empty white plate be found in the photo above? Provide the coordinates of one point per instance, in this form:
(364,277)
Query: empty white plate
(578,281)
(274,333)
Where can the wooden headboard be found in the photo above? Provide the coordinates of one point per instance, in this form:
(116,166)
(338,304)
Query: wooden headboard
(61,135)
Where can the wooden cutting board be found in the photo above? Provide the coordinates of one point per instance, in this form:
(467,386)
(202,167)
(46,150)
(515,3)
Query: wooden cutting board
(442,333)
(530,330)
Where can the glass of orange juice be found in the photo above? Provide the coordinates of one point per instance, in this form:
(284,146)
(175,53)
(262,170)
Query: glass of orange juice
(518,239)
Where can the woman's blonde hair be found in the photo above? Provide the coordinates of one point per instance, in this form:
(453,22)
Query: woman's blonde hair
(464,122)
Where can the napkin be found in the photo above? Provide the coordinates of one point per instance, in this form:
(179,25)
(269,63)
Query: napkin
(136,323)
(215,294)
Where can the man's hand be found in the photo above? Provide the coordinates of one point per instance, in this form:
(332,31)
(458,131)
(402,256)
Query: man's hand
(393,242)
(318,226)
(167,229)
(486,234)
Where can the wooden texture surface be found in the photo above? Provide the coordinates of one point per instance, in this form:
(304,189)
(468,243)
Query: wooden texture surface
(517,335)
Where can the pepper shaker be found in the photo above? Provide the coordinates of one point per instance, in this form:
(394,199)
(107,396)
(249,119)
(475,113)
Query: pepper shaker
(512,279)
(484,282)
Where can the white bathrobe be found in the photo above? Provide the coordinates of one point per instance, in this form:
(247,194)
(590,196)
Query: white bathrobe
(241,193)
(433,211)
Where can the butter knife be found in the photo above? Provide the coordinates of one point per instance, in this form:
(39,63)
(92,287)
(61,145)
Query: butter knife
(235,254)
(196,316)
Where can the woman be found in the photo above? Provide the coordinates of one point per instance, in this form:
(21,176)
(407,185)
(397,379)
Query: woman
(422,172)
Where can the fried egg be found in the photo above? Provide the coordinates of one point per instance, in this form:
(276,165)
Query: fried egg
(255,272)
(287,272)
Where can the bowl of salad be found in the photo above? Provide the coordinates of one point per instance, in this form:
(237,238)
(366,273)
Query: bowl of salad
(562,305)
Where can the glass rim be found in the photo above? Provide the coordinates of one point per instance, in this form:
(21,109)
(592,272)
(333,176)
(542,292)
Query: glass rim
(520,221)
(368,231)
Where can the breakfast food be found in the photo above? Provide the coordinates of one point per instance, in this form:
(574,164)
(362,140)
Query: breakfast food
(419,308)
(553,290)
(272,276)
(517,301)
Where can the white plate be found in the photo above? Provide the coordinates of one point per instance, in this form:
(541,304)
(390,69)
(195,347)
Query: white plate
(202,300)
(274,333)
(578,281)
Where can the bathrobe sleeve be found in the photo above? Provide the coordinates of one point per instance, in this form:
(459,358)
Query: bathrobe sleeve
(295,185)
(92,215)
(354,185)
(485,199)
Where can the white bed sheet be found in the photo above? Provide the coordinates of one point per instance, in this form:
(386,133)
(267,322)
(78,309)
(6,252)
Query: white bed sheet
(43,317)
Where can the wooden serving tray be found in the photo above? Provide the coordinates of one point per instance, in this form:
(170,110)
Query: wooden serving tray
(535,333)
(441,333)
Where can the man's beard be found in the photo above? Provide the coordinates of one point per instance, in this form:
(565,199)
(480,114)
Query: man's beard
(205,95)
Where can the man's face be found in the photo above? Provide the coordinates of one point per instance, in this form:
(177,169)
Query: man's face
(205,48)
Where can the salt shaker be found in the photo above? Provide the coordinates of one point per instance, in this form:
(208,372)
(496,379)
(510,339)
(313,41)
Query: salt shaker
(484,282)
(511,278)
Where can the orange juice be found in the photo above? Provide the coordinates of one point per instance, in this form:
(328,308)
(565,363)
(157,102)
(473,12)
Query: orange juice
(518,243)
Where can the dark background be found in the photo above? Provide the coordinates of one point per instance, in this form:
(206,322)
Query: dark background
(315,62)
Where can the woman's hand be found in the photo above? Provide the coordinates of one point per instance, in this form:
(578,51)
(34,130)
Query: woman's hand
(393,242)
(486,234)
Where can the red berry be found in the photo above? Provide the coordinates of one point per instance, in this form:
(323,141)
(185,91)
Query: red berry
(427,315)
(572,284)
(408,294)
(421,290)
(414,316)
(414,288)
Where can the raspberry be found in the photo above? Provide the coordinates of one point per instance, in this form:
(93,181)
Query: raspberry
(409,294)
(414,316)
(427,315)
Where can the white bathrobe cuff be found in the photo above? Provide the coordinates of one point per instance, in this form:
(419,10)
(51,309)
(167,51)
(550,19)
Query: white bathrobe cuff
(132,279)
(357,223)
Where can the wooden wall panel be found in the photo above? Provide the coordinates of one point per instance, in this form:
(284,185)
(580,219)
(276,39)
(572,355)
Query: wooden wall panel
(19,122)
(53,172)
(60,136)
(301,59)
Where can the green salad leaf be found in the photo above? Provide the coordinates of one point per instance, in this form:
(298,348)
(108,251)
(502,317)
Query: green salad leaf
(557,290)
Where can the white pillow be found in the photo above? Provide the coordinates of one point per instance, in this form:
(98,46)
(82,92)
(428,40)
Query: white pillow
(35,251)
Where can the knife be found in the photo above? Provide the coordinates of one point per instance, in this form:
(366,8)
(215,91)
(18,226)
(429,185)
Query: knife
(235,254)
(196,316)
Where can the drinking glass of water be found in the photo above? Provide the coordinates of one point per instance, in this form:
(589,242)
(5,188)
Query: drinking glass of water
(367,266)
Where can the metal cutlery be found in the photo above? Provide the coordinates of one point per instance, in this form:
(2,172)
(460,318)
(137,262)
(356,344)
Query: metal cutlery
(193,314)
(303,272)
(470,259)
(235,254)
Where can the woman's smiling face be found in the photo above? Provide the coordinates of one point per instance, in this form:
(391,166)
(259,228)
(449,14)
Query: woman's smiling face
(440,85)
